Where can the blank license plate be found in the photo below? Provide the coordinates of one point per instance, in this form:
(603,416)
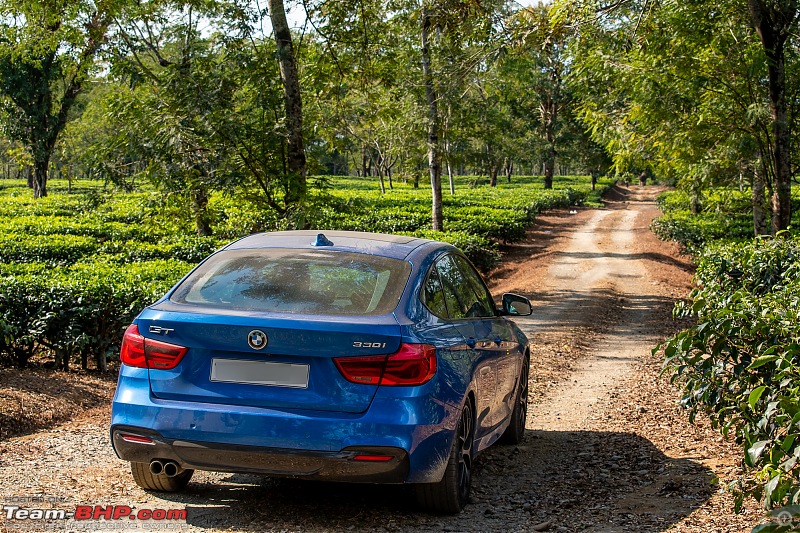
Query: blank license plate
(259,373)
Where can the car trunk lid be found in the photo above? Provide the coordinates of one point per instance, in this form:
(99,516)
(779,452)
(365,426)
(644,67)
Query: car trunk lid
(266,360)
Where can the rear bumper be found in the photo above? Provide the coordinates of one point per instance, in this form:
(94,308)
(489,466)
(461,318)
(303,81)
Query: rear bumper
(412,426)
(388,465)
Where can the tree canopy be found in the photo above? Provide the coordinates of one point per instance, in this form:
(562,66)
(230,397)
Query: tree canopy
(222,95)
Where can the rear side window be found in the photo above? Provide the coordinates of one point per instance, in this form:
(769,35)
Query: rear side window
(296,281)
(485,304)
(432,295)
(459,290)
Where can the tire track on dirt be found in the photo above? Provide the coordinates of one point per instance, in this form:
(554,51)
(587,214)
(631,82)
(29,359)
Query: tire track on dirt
(597,266)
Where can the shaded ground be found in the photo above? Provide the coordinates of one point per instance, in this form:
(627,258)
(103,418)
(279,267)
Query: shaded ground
(606,450)
(38,398)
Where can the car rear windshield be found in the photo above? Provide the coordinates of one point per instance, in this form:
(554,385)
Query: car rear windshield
(296,281)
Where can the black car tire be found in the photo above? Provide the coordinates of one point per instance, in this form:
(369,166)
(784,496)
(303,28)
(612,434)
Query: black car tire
(450,495)
(159,482)
(515,431)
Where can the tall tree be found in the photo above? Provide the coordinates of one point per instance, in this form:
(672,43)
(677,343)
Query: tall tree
(432,98)
(214,108)
(296,154)
(681,88)
(775,21)
(47,52)
(543,40)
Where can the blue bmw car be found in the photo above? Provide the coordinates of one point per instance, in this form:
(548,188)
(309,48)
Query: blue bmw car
(342,356)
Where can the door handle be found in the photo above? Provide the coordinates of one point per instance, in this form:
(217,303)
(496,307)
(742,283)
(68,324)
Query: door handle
(471,342)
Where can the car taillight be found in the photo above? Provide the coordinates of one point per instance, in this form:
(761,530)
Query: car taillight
(366,370)
(132,351)
(147,353)
(412,364)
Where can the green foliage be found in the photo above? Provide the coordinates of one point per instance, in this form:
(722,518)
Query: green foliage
(739,363)
(55,249)
(481,251)
(726,215)
(190,248)
(81,309)
(76,268)
(692,231)
(47,51)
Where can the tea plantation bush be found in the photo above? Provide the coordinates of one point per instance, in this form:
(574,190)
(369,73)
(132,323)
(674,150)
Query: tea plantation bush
(77,310)
(76,268)
(739,363)
(726,215)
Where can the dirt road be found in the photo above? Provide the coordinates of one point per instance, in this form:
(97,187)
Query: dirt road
(606,449)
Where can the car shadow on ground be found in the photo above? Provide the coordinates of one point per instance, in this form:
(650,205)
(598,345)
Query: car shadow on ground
(562,481)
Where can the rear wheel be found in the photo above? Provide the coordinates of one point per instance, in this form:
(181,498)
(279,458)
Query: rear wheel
(515,431)
(160,482)
(450,495)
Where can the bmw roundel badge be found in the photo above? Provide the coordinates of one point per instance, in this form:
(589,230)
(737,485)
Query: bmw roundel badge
(257,339)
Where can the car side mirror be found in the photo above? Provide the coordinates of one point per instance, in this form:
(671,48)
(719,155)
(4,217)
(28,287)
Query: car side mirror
(516,305)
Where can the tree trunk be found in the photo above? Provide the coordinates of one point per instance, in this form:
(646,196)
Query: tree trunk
(549,112)
(493,168)
(760,226)
(549,165)
(40,175)
(297,188)
(450,179)
(364,161)
(781,196)
(200,211)
(695,199)
(434,164)
(550,155)
(772,21)
(380,180)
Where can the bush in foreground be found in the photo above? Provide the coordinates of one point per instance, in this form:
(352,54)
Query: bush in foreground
(739,363)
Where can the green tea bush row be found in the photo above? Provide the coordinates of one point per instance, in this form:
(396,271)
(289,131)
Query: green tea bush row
(482,252)
(184,247)
(52,225)
(82,309)
(18,202)
(692,231)
(726,214)
(76,268)
(740,362)
(59,249)
(506,225)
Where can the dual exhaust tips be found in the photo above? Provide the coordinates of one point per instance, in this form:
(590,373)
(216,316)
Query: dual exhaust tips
(167,468)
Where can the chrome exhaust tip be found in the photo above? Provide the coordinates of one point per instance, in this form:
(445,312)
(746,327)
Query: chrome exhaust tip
(172,469)
(156,467)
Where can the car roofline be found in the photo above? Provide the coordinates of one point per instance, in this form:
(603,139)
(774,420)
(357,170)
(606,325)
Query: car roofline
(388,245)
